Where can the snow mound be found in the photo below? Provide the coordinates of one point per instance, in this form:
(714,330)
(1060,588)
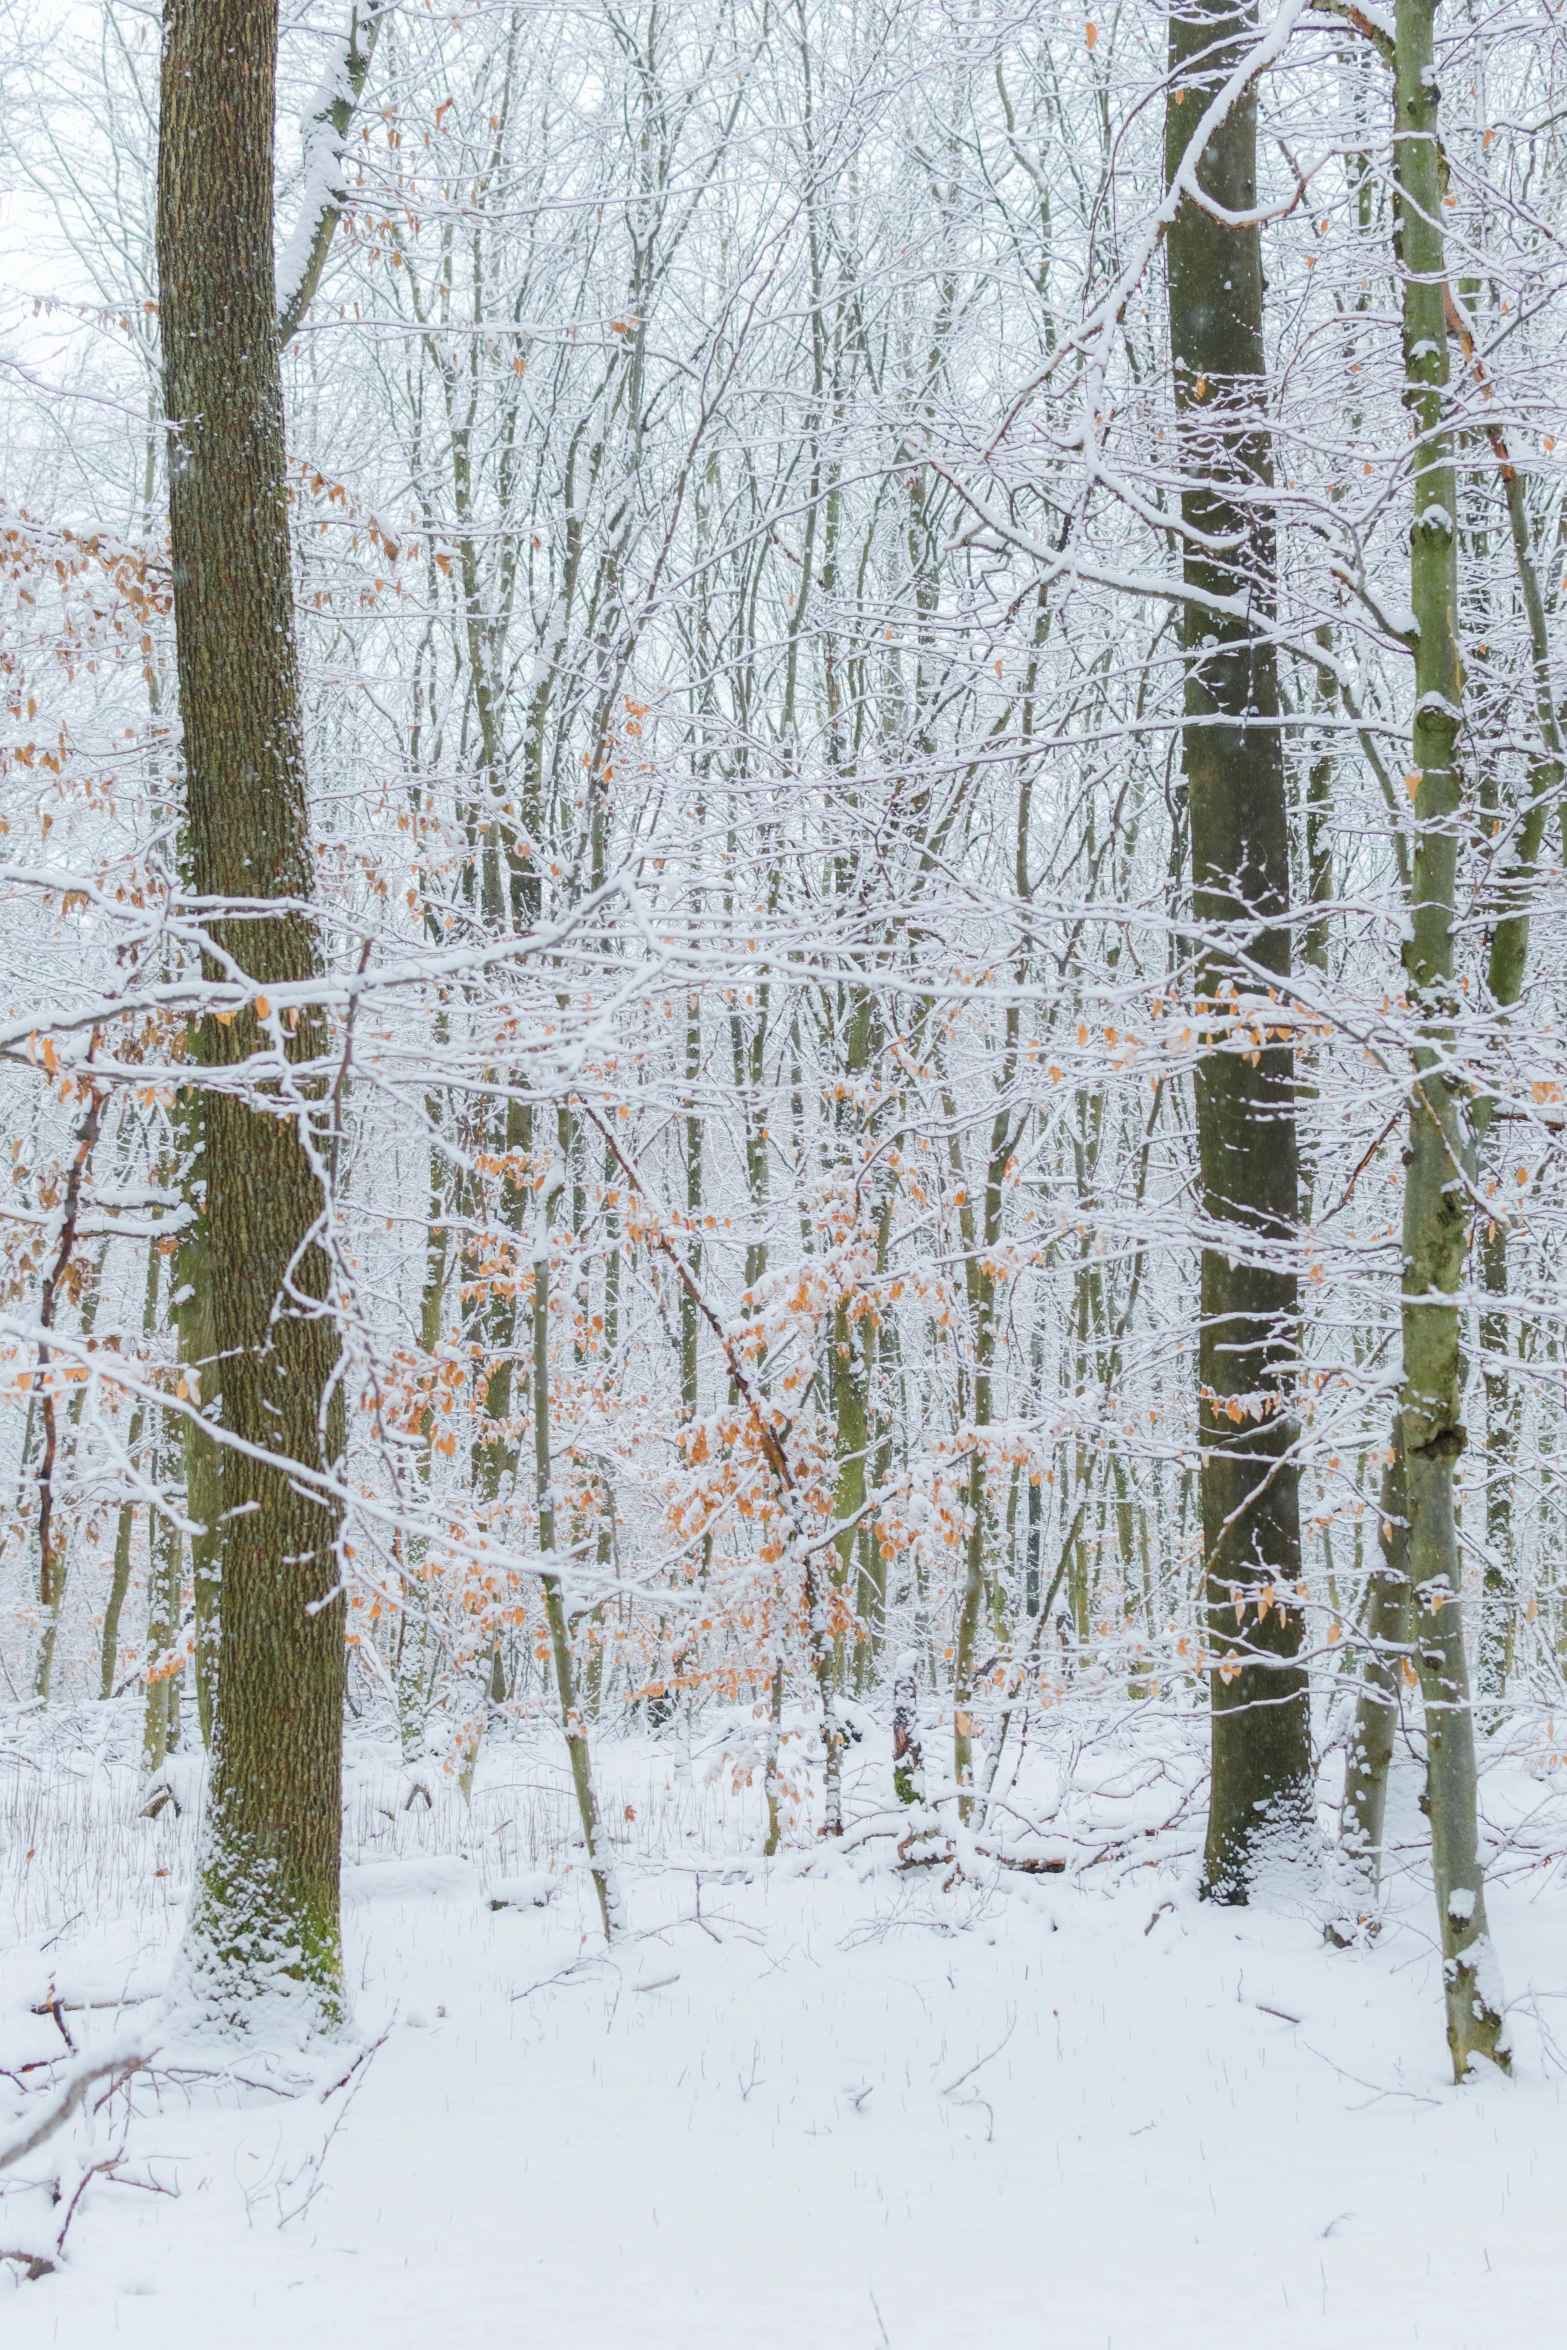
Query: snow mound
(439,1877)
(531,1891)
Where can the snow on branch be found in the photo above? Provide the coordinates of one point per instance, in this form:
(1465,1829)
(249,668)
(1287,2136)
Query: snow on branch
(326,127)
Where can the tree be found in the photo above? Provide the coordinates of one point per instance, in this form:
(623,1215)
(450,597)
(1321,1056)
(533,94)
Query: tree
(1436,1194)
(1232,752)
(264,1924)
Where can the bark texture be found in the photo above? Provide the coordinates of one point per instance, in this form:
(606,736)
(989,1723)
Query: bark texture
(1234,766)
(1436,1201)
(264,1928)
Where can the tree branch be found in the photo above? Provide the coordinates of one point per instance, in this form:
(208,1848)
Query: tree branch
(332,111)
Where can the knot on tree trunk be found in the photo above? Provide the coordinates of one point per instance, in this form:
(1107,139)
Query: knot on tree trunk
(1445,1444)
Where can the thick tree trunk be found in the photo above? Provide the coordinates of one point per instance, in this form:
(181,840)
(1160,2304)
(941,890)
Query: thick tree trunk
(262,1948)
(1436,1209)
(1262,1780)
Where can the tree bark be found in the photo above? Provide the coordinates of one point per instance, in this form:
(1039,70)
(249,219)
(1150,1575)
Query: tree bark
(1436,1210)
(1364,1813)
(262,1947)
(1261,1800)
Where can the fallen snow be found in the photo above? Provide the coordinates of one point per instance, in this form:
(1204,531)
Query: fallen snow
(815,2101)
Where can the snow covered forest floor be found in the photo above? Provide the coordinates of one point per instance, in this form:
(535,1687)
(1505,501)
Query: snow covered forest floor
(824,2099)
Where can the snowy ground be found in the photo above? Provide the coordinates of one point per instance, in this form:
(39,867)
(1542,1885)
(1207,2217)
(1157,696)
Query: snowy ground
(812,2102)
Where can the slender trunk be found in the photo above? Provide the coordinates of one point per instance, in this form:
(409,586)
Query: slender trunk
(980,1286)
(850,1356)
(263,1939)
(847,1391)
(908,1761)
(119,1582)
(1319,876)
(1261,1800)
(683,1655)
(1364,1814)
(192,1307)
(1436,1215)
(160,1717)
(981,1242)
(1499,1603)
(693,1143)
(600,1860)
(819,1640)
(1506,965)
(970,1604)
(52,1562)
(125,1527)
(771,1781)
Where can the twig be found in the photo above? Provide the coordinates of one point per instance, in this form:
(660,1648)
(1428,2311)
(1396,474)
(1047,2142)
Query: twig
(112,2163)
(1416,2094)
(66,2100)
(1365,1163)
(981,2061)
(363,2057)
(51,2006)
(547,1982)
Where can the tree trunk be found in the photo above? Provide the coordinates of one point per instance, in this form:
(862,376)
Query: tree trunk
(1436,1213)
(1262,1781)
(262,1948)
(908,1761)
(1364,1813)
(125,1527)
(161,1715)
(53,1564)
(600,1858)
(1506,965)
(1499,1605)
(192,1308)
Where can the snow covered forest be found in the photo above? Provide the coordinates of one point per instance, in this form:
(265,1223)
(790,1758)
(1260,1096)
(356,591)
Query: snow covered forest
(783,1522)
